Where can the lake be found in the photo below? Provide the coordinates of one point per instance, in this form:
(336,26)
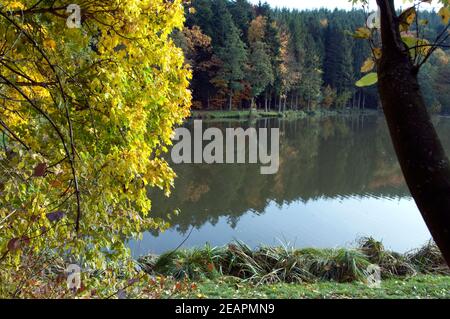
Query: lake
(339,180)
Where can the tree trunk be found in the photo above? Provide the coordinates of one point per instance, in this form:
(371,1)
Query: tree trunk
(265,102)
(230,104)
(422,158)
(359,99)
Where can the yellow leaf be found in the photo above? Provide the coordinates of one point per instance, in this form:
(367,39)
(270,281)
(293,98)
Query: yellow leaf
(362,33)
(15,5)
(444,13)
(407,18)
(368,65)
(377,53)
(50,44)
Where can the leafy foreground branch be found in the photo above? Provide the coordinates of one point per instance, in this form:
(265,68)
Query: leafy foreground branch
(85,116)
(269,265)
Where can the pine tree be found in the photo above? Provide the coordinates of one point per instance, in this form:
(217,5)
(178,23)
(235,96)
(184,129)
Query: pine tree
(232,54)
(242,12)
(260,74)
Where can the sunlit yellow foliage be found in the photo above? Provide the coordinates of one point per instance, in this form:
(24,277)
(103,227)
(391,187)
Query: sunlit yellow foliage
(85,115)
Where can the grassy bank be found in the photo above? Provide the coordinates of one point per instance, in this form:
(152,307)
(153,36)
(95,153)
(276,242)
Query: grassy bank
(421,286)
(245,114)
(287,265)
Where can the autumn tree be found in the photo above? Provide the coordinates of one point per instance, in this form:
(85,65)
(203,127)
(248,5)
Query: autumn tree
(198,54)
(85,114)
(260,74)
(287,72)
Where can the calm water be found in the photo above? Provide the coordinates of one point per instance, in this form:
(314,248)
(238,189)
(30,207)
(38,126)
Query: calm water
(339,180)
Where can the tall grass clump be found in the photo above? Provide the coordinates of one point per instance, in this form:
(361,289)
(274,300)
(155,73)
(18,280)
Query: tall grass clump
(190,263)
(286,264)
(392,264)
(340,265)
(429,260)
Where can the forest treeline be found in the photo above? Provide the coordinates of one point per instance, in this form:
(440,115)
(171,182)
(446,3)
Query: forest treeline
(244,55)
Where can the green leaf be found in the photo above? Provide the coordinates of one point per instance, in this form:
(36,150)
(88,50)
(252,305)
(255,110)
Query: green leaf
(410,41)
(368,80)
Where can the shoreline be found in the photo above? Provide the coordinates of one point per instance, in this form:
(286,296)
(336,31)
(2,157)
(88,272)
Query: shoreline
(236,271)
(286,264)
(260,114)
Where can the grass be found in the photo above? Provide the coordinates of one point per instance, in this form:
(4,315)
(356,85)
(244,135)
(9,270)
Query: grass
(285,264)
(422,286)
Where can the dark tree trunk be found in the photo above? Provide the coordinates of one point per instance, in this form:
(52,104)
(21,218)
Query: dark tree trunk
(359,99)
(364,102)
(422,158)
(265,102)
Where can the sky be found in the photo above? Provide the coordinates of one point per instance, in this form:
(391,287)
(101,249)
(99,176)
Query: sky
(330,4)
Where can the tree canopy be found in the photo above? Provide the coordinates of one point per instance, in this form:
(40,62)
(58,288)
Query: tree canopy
(85,115)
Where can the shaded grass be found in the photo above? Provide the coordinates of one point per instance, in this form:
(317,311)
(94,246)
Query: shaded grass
(285,264)
(421,286)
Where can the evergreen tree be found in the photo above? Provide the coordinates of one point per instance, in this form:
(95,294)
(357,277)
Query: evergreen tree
(260,69)
(232,54)
(242,12)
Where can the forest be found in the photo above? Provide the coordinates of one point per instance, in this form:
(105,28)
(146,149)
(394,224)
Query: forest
(244,55)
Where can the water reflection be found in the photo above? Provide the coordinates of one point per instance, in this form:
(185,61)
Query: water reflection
(338,179)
